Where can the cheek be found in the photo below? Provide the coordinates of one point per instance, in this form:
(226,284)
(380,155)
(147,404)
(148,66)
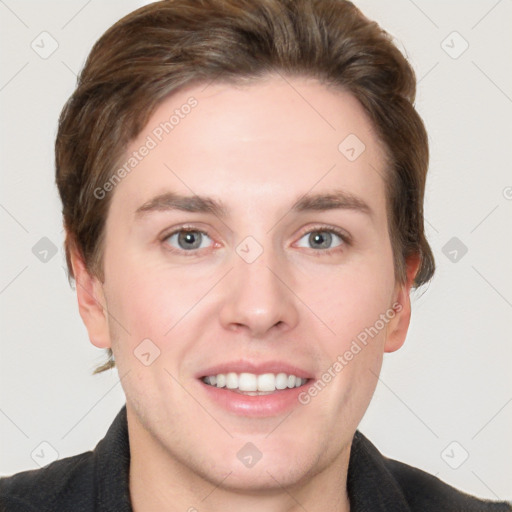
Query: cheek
(146,337)
(353,354)
(357,303)
(352,299)
(157,303)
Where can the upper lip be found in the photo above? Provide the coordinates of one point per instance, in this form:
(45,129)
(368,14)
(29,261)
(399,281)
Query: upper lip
(244,366)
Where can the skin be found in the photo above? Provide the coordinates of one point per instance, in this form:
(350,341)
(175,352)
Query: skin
(257,148)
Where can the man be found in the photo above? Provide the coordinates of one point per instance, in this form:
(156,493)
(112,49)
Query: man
(242,186)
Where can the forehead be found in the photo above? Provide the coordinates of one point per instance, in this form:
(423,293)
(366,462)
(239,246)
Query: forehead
(251,144)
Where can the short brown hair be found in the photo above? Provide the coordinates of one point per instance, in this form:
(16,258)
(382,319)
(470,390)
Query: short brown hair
(167,45)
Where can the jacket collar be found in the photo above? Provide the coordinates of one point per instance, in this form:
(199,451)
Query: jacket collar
(112,468)
(370,485)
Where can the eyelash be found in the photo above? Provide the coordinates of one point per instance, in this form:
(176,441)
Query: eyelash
(328,229)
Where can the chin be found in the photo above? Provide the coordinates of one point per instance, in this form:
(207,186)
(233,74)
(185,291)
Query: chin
(272,476)
(272,467)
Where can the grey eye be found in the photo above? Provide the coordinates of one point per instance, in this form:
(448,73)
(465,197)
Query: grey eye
(321,239)
(188,239)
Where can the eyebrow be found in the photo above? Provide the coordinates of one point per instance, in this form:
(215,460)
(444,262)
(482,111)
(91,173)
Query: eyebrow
(338,199)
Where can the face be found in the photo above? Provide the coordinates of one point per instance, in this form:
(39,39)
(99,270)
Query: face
(282,267)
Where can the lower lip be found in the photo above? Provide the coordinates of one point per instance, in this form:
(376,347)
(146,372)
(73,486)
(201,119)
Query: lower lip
(258,405)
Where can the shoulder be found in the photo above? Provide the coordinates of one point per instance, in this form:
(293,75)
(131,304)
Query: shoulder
(376,482)
(66,482)
(94,480)
(424,491)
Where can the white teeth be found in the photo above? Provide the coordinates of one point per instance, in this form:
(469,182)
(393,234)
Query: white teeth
(250,382)
(231,380)
(281,381)
(266,382)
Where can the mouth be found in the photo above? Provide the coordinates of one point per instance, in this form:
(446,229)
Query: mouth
(254,389)
(252,384)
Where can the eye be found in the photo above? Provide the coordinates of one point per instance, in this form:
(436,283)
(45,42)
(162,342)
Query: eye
(323,238)
(187,239)
(190,240)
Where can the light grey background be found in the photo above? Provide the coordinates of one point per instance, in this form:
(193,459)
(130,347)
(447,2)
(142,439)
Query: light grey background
(445,394)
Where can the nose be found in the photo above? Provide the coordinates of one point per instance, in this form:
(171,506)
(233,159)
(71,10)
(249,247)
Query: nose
(259,296)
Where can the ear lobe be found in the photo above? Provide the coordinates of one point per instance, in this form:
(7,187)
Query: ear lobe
(91,301)
(399,325)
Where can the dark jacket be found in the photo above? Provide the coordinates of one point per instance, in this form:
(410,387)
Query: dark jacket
(98,481)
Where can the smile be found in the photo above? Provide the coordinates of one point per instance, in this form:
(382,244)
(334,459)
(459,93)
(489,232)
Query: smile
(253,384)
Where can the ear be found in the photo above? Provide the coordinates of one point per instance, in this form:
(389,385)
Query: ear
(399,324)
(91,301)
